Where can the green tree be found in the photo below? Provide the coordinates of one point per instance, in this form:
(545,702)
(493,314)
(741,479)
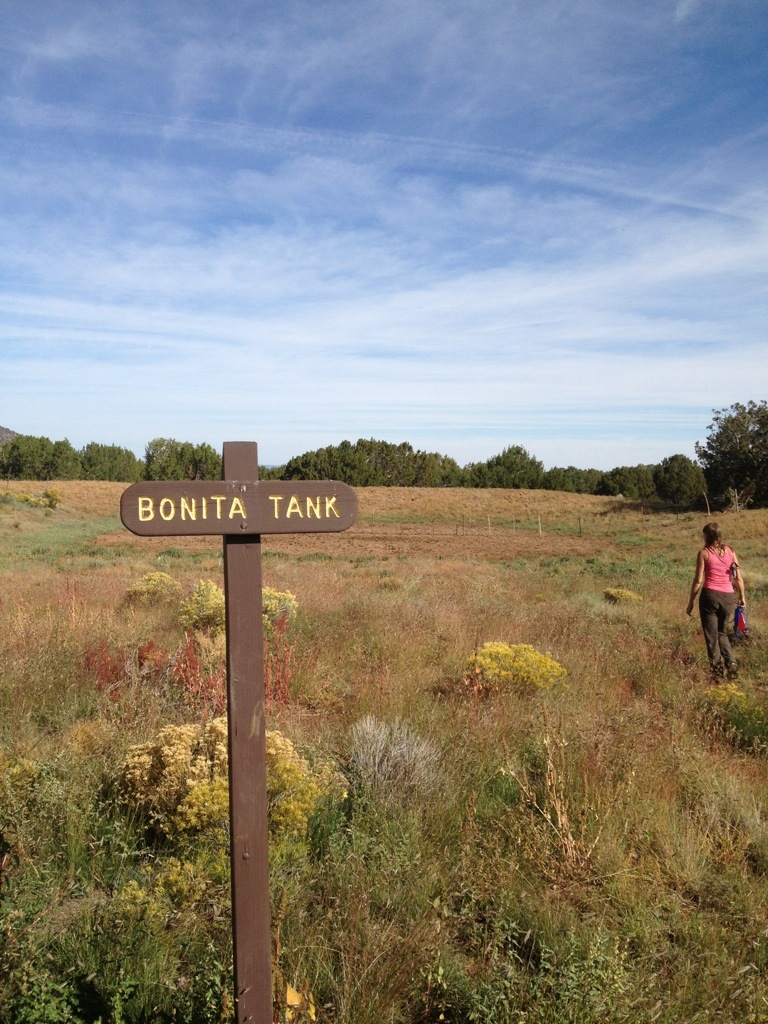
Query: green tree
(110,462)
(331,463)
(571,479)
(434,470)
(635,482)
(27,458)
(167,459)
(735,453)
(38,458)
(680,480)
(206,463)
(65,462)
(512,468)
(371,463)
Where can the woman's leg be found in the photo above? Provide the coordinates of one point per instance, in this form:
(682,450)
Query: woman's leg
(708,612)
(725,612)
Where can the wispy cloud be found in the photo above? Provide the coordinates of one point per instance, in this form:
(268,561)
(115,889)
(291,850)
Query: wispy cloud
(466,225)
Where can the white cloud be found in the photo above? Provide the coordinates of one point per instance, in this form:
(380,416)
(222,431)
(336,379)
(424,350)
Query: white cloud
(477,225)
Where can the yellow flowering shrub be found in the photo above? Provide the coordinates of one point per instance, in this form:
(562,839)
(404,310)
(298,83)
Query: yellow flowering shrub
(19,778)
(497,666)
(277,606)
(180,882)
(620,595)
(741,716)
(153,588)
(135,902)
(205,610)
(16,775)
(155,777)
(205,809)
(722,696)
(170,887)
(179,782)
(292,788)
(50,498)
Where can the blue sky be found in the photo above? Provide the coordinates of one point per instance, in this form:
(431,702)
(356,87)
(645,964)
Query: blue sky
(464,224)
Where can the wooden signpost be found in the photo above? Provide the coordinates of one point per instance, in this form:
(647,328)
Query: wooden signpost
(241,508)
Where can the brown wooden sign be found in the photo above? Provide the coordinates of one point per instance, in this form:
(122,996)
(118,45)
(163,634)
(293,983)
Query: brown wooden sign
(241,508)
(200,507)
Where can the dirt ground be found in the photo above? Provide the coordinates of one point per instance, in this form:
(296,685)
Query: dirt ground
(398,521)
(449,522)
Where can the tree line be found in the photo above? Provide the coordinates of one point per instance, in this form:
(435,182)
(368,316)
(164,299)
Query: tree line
(377,463)
(733,457)
(25,457)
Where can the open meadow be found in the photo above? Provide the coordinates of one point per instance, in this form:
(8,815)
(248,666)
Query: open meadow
(581,846)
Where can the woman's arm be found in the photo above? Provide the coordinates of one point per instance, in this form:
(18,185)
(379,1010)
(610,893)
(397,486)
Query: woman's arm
(698,580)
(738,581)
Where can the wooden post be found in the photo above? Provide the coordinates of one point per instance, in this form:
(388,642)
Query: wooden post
(240,509)
(249,855)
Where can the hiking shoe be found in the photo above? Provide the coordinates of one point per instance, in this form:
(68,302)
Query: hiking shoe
(731,671)
(717,670)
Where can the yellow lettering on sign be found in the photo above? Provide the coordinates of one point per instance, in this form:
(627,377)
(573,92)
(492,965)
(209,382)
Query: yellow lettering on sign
(313,508)
(294,508)
(330,506)
(146,510)
(237,508)
(277,498)
(167,509)
(189,508)
(218,498)
(205,508)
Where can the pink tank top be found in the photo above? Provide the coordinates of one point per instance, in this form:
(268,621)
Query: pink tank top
(717,571)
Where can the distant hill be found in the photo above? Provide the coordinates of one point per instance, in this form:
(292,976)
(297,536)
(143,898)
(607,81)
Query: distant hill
(7,435)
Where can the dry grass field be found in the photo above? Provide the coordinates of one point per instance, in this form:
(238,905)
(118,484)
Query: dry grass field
(593,851)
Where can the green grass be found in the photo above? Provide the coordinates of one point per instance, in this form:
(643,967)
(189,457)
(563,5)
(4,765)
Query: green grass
(593,853)
(40,539)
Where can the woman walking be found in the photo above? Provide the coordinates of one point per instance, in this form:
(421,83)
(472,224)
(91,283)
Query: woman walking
(717,572)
